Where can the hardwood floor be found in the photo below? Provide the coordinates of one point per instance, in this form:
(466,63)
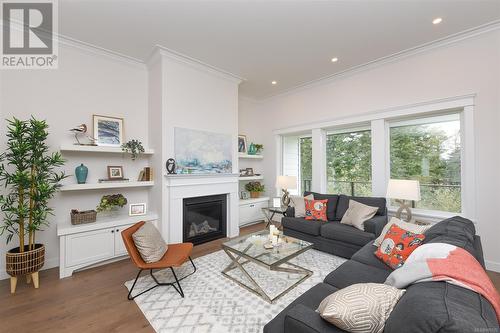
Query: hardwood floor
(93,300)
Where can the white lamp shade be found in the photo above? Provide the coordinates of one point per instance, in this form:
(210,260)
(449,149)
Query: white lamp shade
(403,189)
(287,182)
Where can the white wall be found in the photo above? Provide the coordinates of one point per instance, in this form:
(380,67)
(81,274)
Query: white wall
(470,66)
(191,95)
(86,83)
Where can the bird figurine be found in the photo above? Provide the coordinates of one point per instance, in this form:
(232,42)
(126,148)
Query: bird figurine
(82,129)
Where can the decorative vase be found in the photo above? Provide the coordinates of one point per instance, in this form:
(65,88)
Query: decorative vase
(81,173)
(27,263)
(251,149)
(254,195)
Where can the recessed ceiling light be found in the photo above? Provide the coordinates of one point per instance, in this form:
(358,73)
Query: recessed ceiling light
(437,20)
(274,82)
(335,59)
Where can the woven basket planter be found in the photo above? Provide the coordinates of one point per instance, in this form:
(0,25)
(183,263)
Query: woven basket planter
(25,263)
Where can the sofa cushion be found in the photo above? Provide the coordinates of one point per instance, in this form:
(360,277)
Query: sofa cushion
(309,299)
(343,204)
(301,319)
(310,227)
(299,205)
(415,228)
(357,214)
(345,233)
(331,206)
(456,231)
(361,307)
(366,255)
(316,210)
(441,307)
(352,272)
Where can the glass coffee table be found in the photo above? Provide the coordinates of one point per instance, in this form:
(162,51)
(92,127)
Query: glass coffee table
(265,272)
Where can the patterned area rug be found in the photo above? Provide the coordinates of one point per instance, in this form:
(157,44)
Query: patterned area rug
(213,303)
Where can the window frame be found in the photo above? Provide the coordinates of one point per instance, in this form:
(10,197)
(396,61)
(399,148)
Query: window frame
(378,119)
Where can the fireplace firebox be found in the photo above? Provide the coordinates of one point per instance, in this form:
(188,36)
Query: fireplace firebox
(204,218)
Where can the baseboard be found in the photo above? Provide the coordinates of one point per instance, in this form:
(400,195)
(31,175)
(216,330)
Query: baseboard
(49,263)
(492,266)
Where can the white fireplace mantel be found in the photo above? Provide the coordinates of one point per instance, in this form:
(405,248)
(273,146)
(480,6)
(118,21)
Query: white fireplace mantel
(179,187)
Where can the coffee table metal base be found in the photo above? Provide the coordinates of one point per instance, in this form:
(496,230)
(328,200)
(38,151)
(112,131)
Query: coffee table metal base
(238,263)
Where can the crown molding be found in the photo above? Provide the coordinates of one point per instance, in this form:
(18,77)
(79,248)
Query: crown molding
(451,39)
(192,62)
(100,51)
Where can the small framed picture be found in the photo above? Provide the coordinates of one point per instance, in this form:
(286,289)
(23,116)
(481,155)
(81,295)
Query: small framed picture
(276,202)
(245,195)
(108,131)
(137,209)
(243,172)
(242,144)
(249,171)
(115,172)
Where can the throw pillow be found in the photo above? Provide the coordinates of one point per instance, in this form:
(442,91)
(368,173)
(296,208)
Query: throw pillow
(149,243)
(357,214)
(316,209)
(397,246)
(362,307)
(415,228)
(298,202)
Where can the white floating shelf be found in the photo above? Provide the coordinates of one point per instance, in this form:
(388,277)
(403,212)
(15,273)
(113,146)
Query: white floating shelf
(97,149)
(249,178)
(253,200)
(257,157)
(98,186)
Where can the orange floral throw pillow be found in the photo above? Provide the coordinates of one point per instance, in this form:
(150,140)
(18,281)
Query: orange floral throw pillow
(316,209)
(397,246)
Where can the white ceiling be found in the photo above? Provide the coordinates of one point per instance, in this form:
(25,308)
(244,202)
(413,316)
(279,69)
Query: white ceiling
(291,42)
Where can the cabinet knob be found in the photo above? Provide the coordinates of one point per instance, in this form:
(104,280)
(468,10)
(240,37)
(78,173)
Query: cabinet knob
(112,231)
(117,230)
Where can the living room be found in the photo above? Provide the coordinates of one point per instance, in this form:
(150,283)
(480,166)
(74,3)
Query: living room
(248,166)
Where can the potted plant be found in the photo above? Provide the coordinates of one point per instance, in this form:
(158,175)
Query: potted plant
(259,147)
(28,172)
(255,188)
(111,203)
(134,148)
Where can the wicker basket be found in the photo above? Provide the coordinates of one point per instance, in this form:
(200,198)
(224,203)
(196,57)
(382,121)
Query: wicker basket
(25,263)
(86,216)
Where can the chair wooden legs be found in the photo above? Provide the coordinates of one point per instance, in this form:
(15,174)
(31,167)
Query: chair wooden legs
(157,283)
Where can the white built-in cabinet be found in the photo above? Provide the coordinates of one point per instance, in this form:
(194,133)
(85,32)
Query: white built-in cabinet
(86,245)
(251,210)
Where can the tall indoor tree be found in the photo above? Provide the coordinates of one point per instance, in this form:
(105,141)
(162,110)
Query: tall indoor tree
(29,174)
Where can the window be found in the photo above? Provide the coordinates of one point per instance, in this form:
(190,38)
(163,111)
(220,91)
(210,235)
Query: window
(429,150)
(348,162)
(305,148)
(297,161)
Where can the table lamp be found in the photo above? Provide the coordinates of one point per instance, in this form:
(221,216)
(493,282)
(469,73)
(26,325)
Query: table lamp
(402,190)
(286,183)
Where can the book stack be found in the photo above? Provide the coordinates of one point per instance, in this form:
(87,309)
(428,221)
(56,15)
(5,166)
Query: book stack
(146,174)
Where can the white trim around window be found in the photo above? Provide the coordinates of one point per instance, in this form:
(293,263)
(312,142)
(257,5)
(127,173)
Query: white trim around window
(379,123)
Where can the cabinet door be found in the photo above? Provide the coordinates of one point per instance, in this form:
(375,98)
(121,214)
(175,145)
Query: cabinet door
(90,247)
(252,212)
(120,249)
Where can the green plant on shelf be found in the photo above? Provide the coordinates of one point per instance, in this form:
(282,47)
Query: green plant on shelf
(134,148)
(110,202)
(254,187)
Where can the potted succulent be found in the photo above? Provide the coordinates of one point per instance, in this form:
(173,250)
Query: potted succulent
(259,147)
(28,172)
(255,189)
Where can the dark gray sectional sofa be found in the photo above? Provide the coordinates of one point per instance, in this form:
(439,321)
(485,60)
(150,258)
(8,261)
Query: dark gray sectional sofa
(332,236)
(424,308)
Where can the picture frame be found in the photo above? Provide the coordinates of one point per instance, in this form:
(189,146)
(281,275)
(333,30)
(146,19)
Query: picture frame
(249,172)
(277,202)
(115,172)
(108,131)
(242,144)
(137,209)
(245,195)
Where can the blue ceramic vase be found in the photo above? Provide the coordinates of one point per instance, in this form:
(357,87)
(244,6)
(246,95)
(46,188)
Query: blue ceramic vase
(81,173)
